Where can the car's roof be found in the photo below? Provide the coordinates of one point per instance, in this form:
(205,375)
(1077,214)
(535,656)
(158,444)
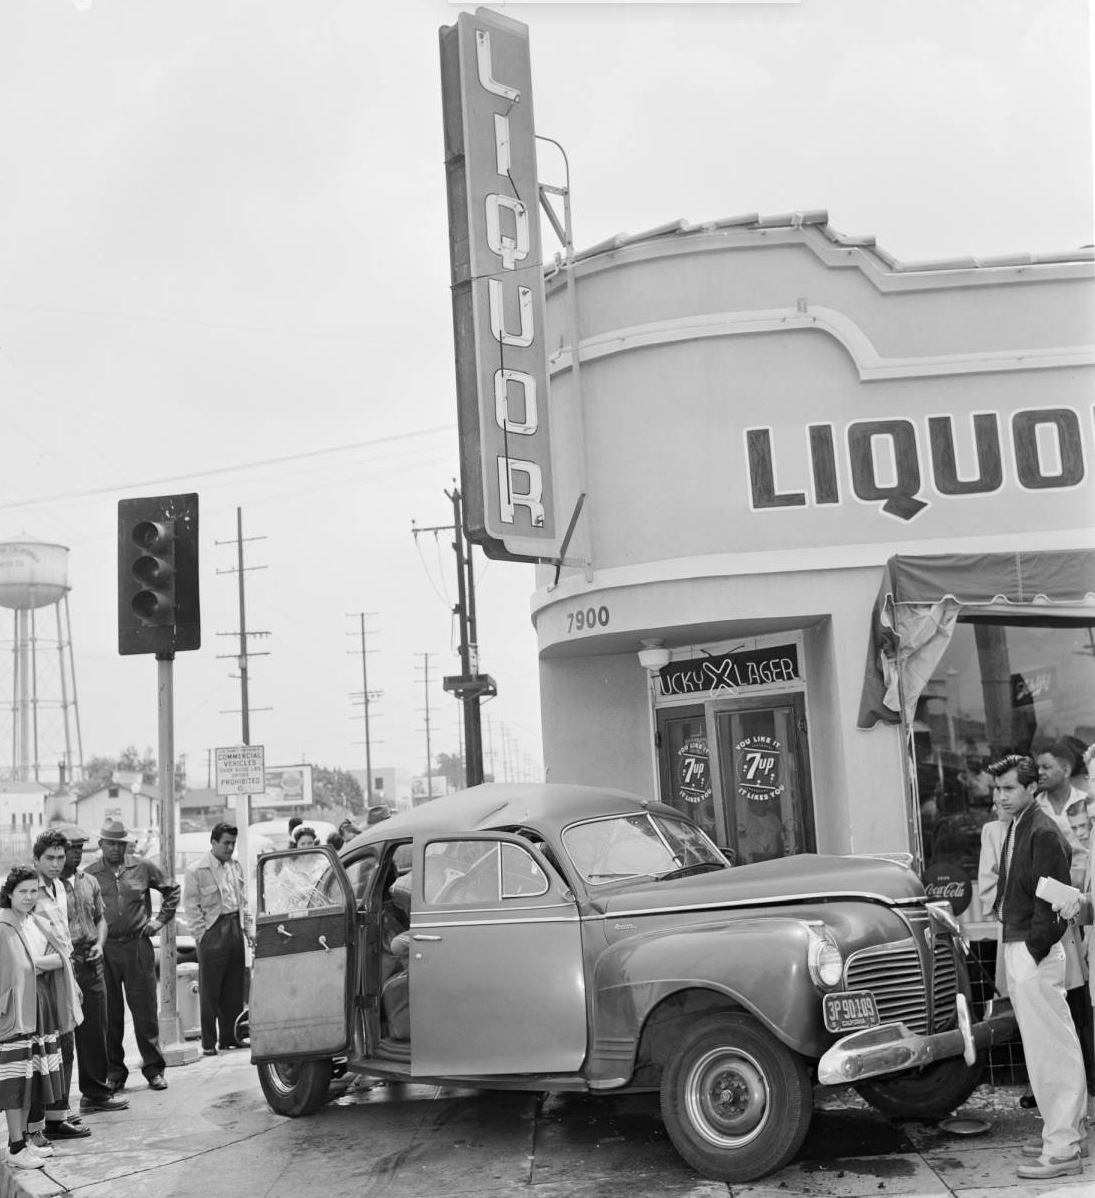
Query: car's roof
(545,806)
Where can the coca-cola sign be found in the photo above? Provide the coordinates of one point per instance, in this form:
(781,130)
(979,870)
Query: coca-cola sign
(948,880)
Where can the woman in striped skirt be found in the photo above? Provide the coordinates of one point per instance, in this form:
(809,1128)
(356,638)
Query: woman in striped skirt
(31,963)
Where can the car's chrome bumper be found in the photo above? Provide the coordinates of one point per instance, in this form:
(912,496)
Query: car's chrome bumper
(892,1048)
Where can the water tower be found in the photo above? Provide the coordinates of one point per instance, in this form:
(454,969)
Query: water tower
(45,722)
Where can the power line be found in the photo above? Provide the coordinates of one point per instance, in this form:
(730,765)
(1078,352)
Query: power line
(212,472)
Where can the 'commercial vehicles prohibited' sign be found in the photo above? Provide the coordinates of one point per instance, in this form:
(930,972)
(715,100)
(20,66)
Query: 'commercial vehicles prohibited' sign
(241,770)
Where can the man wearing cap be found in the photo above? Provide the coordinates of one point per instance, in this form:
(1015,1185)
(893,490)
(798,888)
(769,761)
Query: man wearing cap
(87,928)
(215,902)
(126,882)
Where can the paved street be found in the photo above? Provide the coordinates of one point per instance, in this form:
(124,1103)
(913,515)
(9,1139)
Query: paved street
(212,1135)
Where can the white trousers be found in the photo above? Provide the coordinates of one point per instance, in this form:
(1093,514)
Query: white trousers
(1055,1064)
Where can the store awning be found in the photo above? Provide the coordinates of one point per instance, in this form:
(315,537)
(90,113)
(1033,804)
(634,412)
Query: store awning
(921,599)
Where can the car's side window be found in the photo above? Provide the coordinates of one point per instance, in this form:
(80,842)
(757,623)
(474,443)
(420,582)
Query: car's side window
(296,884)
(521,876)
(461,871)
(360,873)
(479,871)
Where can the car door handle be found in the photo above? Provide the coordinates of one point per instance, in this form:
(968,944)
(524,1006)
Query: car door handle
(326,946)
(283,932)
(421,937)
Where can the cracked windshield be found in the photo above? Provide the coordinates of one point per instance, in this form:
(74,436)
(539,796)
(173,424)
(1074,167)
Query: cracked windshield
(626,847)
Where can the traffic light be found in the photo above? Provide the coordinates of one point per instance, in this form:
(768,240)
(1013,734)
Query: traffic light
(158,602)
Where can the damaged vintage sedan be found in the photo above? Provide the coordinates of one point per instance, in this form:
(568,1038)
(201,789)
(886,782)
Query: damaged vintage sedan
(565,938)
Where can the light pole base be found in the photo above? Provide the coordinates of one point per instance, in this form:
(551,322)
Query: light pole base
(173,1048)
(181,1052)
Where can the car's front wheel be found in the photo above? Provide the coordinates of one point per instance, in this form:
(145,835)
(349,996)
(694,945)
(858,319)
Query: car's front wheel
(929,1093)
(295,1088)
(736,1102)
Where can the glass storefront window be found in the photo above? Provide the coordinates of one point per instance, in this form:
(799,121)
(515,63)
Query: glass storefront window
(999,688)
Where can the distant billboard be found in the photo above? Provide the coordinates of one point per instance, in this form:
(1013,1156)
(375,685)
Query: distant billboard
(286,786)
(497,287)
(423,789)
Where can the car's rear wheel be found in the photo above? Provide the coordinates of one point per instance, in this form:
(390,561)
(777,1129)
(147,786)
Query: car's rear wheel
(295,1088)
(736,1102)
(929,1093)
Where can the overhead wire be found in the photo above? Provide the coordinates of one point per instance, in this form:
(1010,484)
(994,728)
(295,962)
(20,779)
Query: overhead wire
(214,471)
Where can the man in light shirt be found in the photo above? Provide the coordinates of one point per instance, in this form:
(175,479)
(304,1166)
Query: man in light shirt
(215,905)
(52,909)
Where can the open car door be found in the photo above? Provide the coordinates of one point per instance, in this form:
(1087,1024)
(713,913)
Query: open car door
(303,968)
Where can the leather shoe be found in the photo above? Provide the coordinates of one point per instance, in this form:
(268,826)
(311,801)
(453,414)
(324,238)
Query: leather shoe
(91,1105)
(209,1052)
(1051,1166)
(1028,1102)
(157,1082)
(62,1129)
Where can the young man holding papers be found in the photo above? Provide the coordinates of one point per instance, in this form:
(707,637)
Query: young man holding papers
(1034,965)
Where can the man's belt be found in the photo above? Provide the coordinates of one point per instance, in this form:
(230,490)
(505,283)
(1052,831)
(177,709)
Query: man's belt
(125,939)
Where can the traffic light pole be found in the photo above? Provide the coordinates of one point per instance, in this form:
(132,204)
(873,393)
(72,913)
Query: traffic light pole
(174,1049)
(159,611)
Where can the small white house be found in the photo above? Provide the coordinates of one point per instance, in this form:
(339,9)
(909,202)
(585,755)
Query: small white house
(137,806)
(22,817)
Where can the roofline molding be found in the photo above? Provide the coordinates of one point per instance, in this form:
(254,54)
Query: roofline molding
(869,363)
(812,231)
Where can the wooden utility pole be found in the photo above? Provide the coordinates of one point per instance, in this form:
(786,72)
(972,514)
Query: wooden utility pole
(367,698)
(429,751)
(243,656)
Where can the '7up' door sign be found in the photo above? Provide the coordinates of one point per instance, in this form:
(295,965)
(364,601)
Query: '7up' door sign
(693,778)
(760,768)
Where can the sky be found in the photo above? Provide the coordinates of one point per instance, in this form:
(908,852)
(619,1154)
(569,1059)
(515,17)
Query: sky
(224,269)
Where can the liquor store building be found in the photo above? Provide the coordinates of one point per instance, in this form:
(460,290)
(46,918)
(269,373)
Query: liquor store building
(832,545)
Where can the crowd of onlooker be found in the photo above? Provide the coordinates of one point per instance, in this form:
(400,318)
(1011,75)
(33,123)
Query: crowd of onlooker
(65,959)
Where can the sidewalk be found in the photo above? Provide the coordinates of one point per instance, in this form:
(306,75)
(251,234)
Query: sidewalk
(211,1135)
(127,1149)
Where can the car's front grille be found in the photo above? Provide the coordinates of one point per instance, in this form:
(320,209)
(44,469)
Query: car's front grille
(944,984)
(894,974)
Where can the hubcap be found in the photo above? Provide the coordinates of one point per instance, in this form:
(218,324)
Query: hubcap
(727,1098)
(285,1075)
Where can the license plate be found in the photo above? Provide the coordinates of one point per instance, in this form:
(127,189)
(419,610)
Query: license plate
(849,1010)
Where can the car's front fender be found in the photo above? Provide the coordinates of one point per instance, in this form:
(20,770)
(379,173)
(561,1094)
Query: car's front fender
(758,964)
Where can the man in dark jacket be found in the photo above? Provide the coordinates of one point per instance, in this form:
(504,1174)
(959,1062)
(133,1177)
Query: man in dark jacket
(128,957)
(1034,967)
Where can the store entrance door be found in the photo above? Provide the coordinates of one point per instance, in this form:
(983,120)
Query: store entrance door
(683,761)
(763,771)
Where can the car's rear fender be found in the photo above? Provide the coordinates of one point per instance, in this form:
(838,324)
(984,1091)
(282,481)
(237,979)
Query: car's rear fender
(757,965)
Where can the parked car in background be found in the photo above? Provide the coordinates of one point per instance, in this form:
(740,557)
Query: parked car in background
(549,937)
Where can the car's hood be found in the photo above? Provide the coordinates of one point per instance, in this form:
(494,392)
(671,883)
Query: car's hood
(792,878)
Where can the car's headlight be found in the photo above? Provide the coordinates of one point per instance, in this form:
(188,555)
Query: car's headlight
(824,959)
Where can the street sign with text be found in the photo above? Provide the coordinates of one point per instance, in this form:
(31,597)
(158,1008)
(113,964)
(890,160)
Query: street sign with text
(241,770)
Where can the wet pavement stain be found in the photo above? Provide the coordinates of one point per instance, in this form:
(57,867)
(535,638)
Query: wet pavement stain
(834,1135)
(881,1167)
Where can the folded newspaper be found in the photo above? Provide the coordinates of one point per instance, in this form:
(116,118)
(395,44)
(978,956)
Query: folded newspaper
(1056,892)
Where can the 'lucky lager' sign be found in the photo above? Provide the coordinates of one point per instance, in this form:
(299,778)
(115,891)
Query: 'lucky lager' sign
(497,286)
